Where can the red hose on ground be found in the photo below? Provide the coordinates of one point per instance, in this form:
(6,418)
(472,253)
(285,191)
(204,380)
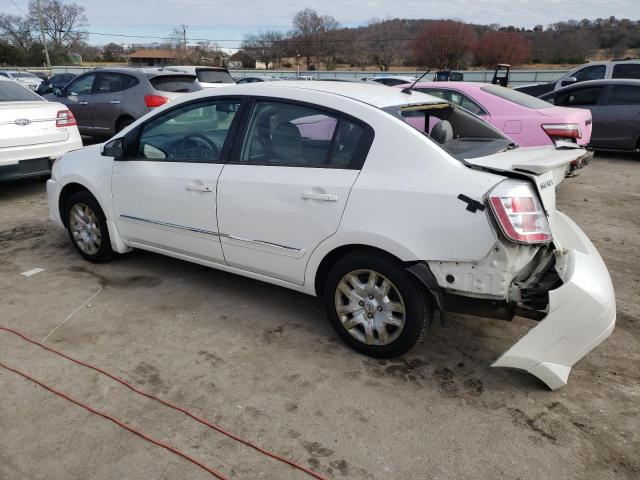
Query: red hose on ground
(203,421)
(119,423)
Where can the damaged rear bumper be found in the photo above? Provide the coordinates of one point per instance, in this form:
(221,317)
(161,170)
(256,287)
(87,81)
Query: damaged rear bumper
(582,312)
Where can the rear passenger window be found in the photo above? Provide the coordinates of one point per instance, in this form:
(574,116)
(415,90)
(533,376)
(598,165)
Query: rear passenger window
(114,82)
(345,148)
(624,95)
(626,70)
(296,135)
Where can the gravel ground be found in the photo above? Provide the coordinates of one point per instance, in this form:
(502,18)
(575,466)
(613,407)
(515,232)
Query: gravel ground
(263,362)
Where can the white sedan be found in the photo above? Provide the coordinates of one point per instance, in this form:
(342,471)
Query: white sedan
(325,188)
(34,132)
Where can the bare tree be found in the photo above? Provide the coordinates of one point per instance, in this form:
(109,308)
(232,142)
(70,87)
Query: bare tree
(61,25)
(17,30)
(443,44)
(311,35)
(385,43)
(265,46)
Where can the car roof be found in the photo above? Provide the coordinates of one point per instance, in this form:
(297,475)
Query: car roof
(193,68)
(373,94)
(595,83)
(149,72)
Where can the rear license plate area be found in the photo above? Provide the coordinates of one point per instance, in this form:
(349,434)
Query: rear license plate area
(34,166)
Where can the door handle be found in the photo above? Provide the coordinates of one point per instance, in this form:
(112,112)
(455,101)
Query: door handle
(83,103)
(115,102)
(199,188)
(326,197)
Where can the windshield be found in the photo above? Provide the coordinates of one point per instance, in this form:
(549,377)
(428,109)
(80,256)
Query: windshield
(213,76)
(516,97)
(460,133)
(13,92)
(24,75)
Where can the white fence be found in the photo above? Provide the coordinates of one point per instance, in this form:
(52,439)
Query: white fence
(517,77)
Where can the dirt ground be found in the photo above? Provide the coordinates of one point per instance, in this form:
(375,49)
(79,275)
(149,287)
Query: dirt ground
(264,363)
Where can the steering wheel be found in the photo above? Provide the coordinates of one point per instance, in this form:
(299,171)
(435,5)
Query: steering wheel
(195,146)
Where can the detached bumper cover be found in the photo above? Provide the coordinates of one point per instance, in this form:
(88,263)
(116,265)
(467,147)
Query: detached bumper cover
(582,312)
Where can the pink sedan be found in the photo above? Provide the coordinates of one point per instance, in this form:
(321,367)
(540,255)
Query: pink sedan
(527,120)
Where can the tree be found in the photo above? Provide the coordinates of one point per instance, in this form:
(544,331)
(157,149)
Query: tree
(17,30)
(443,44)
(386,43)
(502,47)
(265,46)
(61,24)
(311,35)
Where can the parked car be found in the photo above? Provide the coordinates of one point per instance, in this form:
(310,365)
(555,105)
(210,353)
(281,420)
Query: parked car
(27,79)
(208,77)
(529,121)
(614,106)
(624,68)
(256,79)
(383,222)
(57,81)
(34,132)
(106,100)
(390,81)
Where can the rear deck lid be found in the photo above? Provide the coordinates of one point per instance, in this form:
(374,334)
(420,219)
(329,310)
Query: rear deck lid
(30,123)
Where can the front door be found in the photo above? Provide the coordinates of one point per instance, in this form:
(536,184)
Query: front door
(165,192)
(286,186)
(77,98)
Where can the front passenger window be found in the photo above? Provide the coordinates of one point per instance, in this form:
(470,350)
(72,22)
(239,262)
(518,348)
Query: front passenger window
(194,133)
(579,97)
(82,86)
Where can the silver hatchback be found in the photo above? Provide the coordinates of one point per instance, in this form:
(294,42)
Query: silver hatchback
(106,100)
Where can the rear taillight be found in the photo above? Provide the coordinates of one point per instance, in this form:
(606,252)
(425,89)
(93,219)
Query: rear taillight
(65,118)
(519,213)
(155,100)
(563,130)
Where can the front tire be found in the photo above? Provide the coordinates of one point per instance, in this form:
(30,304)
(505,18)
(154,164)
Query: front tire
(375,306)
(87,227)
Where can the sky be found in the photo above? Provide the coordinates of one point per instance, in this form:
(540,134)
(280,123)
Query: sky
(227,21)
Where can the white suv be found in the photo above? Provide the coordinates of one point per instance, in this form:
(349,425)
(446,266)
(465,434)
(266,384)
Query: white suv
(334,189)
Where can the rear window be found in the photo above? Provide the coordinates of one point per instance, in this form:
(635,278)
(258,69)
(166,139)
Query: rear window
(626,70)
(174,83)
(516,97)
(460,133)
(213,76)
(12,92)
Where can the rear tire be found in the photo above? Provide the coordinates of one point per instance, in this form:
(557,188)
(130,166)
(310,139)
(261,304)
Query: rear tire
(87,227)
(375,306)
(123,123)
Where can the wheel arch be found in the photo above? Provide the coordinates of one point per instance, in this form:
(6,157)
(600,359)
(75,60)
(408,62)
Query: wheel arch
(68,191)
(339,252)
(120,119)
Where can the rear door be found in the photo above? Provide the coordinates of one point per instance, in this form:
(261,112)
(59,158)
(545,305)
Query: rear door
(164,193)
(106,100)
(619,117)
(286,185)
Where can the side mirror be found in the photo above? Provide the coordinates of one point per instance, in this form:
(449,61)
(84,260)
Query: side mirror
(569,81)
(113,148)
(57,92)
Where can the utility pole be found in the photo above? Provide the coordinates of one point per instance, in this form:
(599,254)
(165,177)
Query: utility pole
(44,41)
(184,39)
